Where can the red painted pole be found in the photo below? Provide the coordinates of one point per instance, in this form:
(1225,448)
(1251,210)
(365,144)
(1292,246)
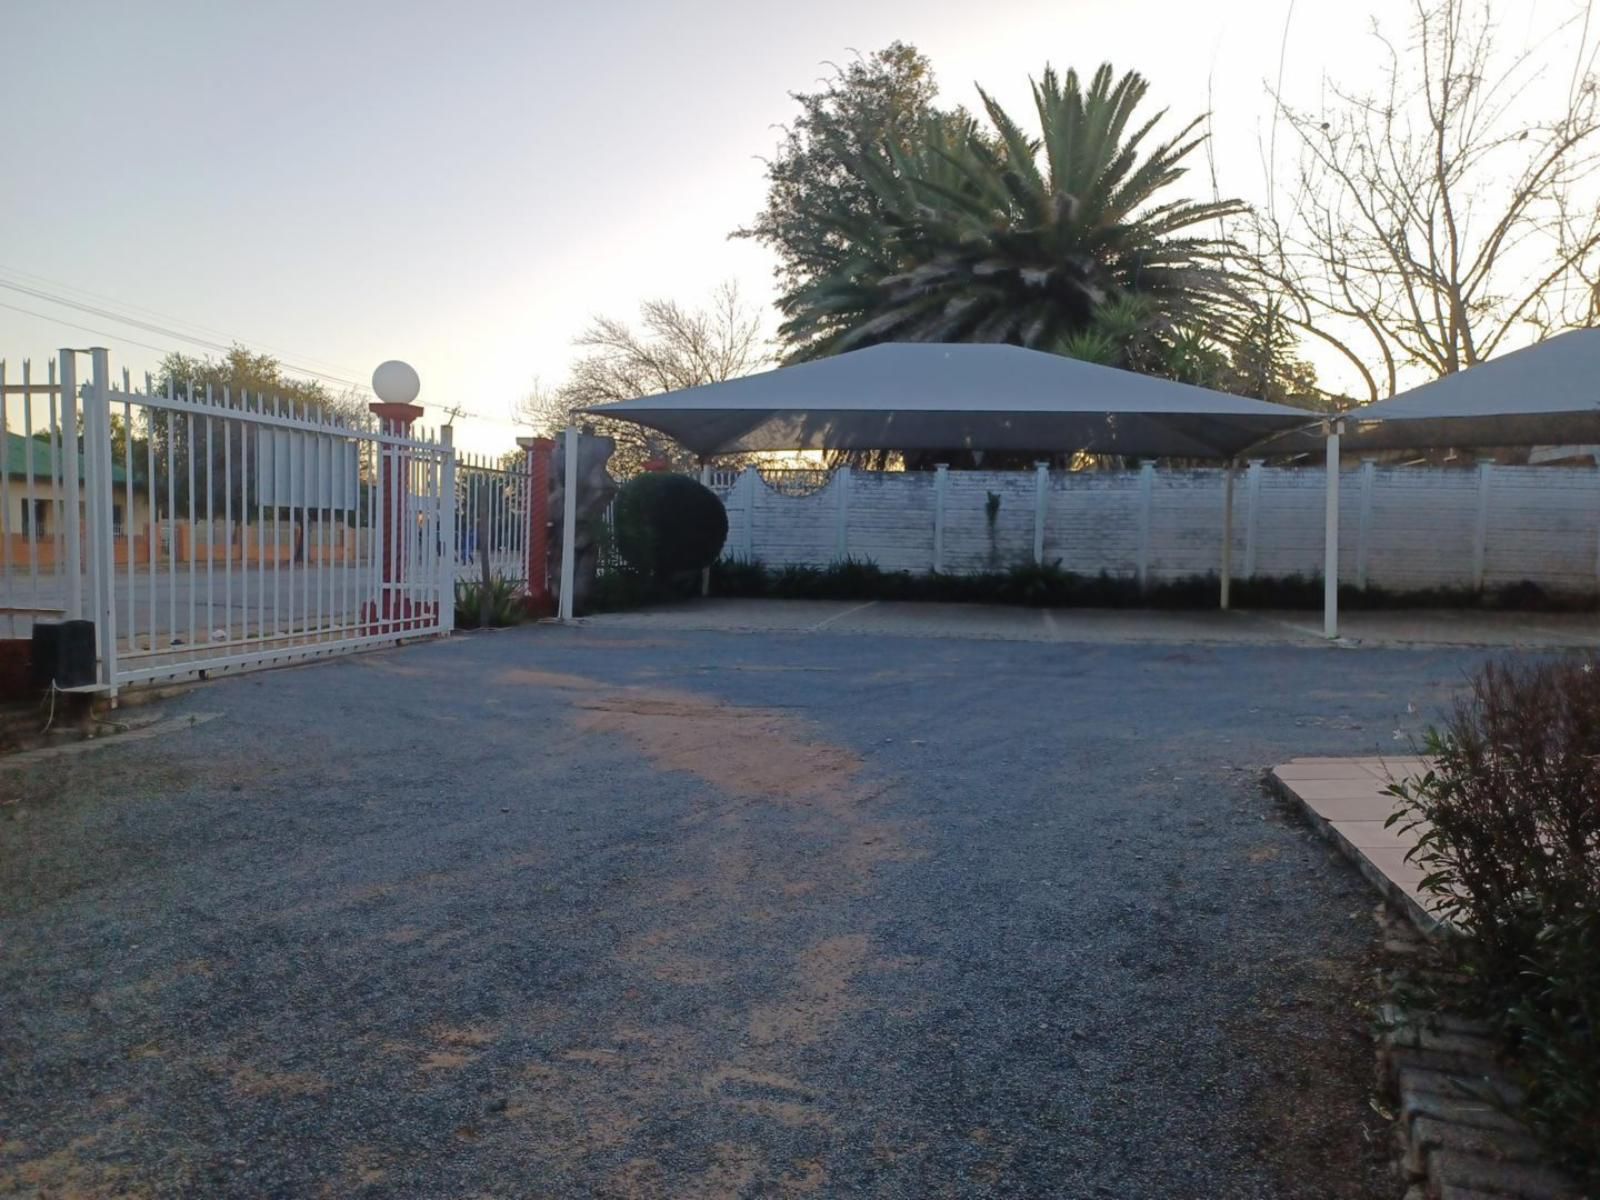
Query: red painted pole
(539,451)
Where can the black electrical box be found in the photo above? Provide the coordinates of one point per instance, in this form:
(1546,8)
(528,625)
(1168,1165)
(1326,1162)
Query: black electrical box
(63,654)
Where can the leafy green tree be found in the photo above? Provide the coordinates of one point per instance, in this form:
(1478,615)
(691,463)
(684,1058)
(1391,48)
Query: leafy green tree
(260,376)
(1014,238)
(882,99)
(1264,362)
(243,377)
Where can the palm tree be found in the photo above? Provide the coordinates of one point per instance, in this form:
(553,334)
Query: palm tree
(1002,237)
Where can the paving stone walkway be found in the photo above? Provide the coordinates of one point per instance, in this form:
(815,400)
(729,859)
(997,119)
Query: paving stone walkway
(1345,798)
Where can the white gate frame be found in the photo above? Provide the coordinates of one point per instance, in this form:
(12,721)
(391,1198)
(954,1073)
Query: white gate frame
(367,611)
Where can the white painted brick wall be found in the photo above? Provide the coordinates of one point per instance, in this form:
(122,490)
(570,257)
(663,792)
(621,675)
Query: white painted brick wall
(1093,522)
(1542,523)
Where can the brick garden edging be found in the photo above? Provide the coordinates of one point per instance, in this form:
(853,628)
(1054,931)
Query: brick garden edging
(1454,1131)
(1453,1096)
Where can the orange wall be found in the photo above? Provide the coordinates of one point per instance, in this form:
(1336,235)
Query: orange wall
(14,550)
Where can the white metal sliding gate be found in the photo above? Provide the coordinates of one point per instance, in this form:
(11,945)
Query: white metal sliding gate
(225,531)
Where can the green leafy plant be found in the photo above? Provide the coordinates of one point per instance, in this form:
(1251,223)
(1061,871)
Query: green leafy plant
(1004,234)
(1049,585)
(1508,825)
(667,524)
(624,589)
(507,604)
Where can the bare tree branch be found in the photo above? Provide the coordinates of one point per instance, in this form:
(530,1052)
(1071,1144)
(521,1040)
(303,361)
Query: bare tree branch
(1426,225)
(671,348)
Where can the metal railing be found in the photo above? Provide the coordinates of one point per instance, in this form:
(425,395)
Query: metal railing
(32,512)
(493,500)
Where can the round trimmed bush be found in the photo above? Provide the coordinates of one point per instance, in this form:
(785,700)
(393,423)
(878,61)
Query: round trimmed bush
(665,524)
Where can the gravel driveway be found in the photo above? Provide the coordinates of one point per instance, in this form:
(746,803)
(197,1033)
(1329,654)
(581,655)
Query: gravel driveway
(607,912)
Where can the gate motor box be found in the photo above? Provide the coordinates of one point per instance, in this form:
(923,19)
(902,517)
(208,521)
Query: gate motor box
(63,654)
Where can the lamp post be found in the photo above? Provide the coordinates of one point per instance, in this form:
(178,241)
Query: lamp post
(396,385)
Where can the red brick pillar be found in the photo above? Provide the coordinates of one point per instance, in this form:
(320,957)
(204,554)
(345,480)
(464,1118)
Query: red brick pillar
(539,451)
(395,419)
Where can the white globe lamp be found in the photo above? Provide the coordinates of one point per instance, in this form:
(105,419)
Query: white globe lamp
(395,382)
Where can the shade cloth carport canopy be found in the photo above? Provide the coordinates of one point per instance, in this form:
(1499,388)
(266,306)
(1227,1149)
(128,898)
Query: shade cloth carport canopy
(1543,394)
(936,396)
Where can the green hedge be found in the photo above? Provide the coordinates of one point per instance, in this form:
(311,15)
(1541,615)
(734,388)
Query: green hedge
(1049,586)
(1045,586)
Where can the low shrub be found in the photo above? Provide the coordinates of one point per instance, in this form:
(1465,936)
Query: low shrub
(623,589)
(666,524)
(507,603)
(1509,825)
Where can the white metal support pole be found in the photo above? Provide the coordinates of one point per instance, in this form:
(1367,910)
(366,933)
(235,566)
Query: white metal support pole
(101,512)
(841,549)
(941,485)
(705,572)
(1041,503)
(1147,482)
(70,490)
(445,542)
(1227,535)
(569,524)
(1330,535)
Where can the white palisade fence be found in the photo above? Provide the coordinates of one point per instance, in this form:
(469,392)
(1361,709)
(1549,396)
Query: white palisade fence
(1401,527)
(32,513)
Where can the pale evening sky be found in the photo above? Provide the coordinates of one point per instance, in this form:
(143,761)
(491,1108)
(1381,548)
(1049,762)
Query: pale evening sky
(462,185)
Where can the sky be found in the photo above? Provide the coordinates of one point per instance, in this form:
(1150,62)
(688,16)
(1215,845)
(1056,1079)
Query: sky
(464,185)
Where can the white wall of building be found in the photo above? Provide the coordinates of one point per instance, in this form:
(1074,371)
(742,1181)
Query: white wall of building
(1401,528)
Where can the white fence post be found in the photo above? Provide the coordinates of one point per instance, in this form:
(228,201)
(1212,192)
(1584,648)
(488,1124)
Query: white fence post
(1252,506)
(1147,480)
(1226,597)
(1041,503)
(1596,477)
(1480,532)
(705,572)
(841,480)
(1369,471)
(941,484)
(98,512)
(448,539)
(569,523)
(71,491)
(749,484)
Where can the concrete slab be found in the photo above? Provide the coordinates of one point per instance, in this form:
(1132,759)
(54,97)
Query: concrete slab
(1345,799)
(987,622)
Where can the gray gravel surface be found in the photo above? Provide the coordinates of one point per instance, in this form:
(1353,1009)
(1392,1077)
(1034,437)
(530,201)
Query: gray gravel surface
(564,912)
